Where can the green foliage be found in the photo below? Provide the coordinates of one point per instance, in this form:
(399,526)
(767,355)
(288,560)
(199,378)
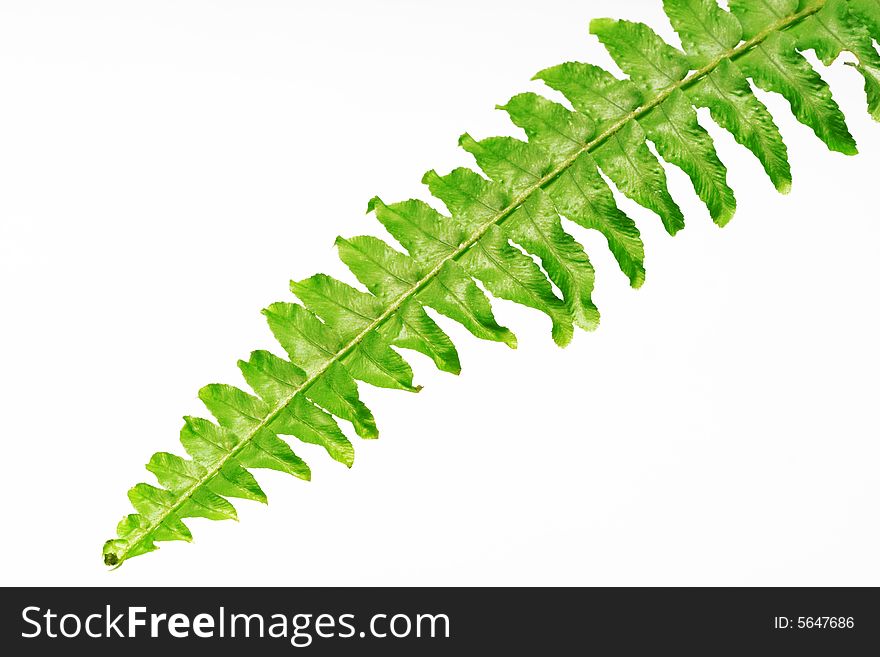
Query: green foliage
(501,225)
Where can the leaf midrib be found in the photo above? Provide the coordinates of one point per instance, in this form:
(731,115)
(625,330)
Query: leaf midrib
(459,251)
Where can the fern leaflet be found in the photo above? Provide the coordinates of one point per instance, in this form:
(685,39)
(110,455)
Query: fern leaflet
(338,335)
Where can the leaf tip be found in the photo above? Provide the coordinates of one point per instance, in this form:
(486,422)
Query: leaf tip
(562,337)
(367,430)
(429,176)
(588,319)
(374,203)
(725,216)
(637,279)
(673,229)
(204,393)
(599,25)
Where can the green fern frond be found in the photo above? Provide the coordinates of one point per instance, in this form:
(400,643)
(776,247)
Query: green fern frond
(501,224)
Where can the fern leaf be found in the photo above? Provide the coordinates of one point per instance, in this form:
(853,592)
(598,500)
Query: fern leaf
(505,271)
(834,29)
(499,226)
(673,128)
(514,165)
(386,273)
(454,294)
(707,32)
(337,392)
(725,92)
(411,328)
(672,125)
(423,232)
(550,126)
(510,274)
(373,361)
(623,157)
(651,63)
(537,227)
(593,91)
(629,163)
(775,65)
(582,195)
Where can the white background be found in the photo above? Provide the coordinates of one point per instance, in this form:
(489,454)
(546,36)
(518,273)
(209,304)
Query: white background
(167,167)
